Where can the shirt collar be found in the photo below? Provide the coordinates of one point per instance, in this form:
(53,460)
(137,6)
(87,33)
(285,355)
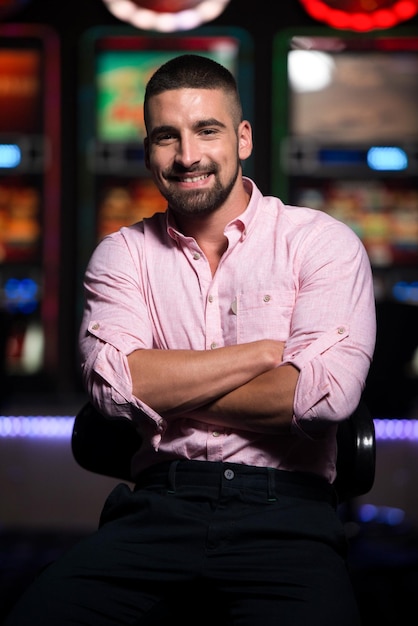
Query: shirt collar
(242,222)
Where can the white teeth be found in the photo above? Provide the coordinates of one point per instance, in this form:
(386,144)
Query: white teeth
(194,179)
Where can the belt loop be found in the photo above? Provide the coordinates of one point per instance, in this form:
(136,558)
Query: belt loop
(271,496)
(172,477)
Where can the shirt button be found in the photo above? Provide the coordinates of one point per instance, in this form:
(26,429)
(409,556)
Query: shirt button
(213,345)
(210,298)
(215,433)
(267,298)
(196,256)
(95,326)
(229,474)
(341,330)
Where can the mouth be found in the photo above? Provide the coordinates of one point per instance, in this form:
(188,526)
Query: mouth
(193,179)
(188,178)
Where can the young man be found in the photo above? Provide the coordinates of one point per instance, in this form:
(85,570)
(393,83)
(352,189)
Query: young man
(235,331)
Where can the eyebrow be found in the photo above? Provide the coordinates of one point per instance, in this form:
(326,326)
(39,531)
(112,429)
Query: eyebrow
(211,121)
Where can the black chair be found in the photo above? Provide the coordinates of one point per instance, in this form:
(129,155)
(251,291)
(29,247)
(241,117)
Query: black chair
(105,446)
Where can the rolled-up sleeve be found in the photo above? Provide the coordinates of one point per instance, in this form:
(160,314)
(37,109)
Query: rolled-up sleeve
(115,323)
(333,329)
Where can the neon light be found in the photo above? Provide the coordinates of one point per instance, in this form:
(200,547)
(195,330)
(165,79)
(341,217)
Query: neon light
(177,20)
(40,427)
(57,427)
(389,515)
(396,429)
(361,20)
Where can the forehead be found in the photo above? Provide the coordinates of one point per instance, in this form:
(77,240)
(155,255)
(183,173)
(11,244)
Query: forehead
(186,105)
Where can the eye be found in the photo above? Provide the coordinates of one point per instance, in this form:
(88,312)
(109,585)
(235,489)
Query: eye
(164,138)
(207,132)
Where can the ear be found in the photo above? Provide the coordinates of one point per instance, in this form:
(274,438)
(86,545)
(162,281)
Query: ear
(245,140)
(146,153)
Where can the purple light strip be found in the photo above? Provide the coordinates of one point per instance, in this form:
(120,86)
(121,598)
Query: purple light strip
(40,427)
(396,429)
(60,427)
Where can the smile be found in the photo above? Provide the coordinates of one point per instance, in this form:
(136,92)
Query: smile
(195,179)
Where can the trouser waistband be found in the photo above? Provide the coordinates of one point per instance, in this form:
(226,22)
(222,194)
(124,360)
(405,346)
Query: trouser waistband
(276,483)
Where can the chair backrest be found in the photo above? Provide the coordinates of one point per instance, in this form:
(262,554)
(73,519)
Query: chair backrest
(105,446)
(356,457)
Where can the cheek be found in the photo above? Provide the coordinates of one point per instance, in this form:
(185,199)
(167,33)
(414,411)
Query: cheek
(158,160)
(226,154)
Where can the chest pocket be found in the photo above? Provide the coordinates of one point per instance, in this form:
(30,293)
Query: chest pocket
(264,315)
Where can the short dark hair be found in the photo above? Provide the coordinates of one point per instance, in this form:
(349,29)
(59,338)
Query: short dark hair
(193,71)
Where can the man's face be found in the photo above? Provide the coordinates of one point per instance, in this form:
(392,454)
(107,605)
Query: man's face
(194,149)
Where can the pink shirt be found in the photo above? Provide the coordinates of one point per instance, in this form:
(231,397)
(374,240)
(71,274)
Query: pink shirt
(290,273)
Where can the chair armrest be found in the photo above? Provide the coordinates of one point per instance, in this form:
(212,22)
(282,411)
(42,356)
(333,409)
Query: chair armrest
(356,454)
(104,445)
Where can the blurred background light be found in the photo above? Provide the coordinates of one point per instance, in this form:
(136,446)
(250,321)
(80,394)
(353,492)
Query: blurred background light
(166,15)
(10,155)
(387,158)
(361,15)
(61,426)
(310,70)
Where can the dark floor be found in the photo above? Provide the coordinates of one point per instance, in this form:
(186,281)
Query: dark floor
(384,567)
(383,563)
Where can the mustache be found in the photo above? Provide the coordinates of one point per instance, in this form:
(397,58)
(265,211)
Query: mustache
(178,169)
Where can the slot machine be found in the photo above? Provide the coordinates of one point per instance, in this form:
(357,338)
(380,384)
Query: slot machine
(29,204)
(345,141)
(116,188)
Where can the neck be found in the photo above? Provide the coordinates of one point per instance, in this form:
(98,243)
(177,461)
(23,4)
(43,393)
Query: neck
(211,227)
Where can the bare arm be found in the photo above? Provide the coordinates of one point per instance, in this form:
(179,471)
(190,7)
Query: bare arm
(183,380)
(263,404)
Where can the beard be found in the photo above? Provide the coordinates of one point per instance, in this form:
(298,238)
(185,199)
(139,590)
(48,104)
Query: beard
(197,202)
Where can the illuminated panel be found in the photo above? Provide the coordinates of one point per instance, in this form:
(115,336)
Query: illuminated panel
(346,140)
(124,66)
(29,195)
(22,152)
(20,90)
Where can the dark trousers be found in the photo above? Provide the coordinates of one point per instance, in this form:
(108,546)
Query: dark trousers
(203,543)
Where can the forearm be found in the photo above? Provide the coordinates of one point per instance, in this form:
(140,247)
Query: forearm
(263,404)
(182,380)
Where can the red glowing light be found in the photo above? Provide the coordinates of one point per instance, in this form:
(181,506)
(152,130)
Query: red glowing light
(361,15)
(167,6)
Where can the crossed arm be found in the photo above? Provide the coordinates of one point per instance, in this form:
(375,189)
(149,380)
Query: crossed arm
(247,386)
(235,386)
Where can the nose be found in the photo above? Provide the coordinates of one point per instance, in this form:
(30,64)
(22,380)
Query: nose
(188,152)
